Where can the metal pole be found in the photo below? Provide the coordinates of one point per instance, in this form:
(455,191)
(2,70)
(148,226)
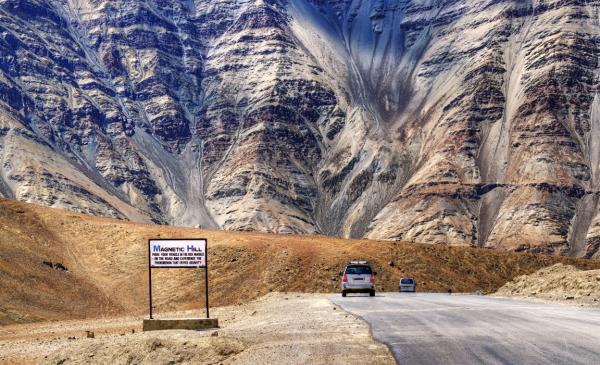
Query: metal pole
(206,278)
(149,280)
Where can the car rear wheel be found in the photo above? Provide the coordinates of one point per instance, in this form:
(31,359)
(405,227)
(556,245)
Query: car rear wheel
(372,293)
(343,293)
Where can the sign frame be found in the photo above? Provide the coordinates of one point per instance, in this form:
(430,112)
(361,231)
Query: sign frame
(157,240)
(205,267)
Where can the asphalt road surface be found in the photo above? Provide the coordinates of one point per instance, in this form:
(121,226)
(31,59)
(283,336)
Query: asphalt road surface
(468,329)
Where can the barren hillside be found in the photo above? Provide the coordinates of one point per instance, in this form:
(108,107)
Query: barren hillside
(107,269)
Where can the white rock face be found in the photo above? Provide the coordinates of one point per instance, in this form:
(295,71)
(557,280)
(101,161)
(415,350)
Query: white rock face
(456,122)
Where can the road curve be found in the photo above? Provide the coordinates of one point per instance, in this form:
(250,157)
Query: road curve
(468,329)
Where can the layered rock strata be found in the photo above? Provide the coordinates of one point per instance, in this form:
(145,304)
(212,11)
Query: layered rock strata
(455,122)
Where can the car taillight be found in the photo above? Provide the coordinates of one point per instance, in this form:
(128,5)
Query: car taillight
(344,278)
(372,278)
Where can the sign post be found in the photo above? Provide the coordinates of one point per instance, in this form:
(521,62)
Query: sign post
(177,254)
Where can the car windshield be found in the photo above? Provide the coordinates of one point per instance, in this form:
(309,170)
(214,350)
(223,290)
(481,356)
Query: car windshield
(358,270)
(406,281)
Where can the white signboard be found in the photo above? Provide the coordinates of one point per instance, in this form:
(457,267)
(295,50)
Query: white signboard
(190,253)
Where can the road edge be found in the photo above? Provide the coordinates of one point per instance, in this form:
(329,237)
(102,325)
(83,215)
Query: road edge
(387,345)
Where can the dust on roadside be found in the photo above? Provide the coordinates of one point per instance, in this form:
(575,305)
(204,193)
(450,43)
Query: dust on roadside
(301,328)
(558,283)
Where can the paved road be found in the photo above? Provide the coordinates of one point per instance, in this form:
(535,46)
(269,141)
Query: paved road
(466,329)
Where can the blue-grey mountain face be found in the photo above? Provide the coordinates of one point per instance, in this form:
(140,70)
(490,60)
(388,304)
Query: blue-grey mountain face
(457,122)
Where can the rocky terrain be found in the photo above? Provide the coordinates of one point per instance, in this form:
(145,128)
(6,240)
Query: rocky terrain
(557,283)
(435,121)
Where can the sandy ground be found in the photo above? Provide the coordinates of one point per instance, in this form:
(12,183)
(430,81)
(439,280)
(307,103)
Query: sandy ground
(558,284)
(280,327)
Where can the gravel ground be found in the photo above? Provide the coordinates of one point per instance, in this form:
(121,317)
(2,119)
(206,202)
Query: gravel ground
(290,328)
(558,283)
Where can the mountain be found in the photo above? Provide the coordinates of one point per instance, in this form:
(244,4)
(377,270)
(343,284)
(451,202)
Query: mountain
(447,121)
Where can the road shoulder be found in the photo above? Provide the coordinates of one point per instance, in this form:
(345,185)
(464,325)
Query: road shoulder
(305,328)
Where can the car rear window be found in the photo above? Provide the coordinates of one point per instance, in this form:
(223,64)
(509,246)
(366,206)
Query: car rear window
(407,281)
(358,270)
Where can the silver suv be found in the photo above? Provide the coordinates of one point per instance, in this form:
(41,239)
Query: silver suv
(407,285)
(358,277)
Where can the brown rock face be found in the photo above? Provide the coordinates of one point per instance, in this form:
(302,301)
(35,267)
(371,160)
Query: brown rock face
(456,122)
(506,154)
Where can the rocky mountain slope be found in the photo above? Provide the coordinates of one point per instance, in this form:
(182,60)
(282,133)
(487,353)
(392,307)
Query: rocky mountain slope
(439,121)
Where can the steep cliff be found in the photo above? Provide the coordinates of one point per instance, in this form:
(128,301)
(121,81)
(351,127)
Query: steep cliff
(457,122)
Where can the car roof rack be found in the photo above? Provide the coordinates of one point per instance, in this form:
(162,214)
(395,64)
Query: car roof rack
(359,262)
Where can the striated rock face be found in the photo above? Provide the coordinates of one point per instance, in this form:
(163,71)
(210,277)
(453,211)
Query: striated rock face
(457,122)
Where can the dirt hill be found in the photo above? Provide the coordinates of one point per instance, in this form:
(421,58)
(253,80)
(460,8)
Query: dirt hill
(557,283)
(61,265)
